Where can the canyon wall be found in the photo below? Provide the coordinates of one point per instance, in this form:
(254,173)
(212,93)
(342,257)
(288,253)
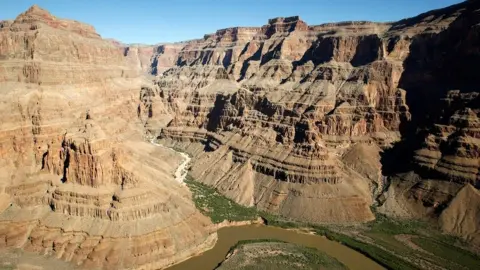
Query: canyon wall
(153,59)
(315,122)
(77,179)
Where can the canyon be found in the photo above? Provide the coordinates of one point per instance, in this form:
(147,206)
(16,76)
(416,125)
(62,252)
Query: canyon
(316,123)
(78,179)
(347,115)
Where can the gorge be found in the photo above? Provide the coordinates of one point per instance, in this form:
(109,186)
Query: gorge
(329,125)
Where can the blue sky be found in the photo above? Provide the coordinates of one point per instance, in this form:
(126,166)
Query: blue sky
(153,21)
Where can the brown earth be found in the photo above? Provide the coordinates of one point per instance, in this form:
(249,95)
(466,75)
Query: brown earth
(77,179)
(462,216)
(271,255)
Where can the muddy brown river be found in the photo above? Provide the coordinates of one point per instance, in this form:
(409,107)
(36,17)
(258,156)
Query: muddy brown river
(229,236)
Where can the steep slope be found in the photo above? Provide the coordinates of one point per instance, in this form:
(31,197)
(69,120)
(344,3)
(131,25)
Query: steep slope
(152,59)
(77,180)
(441,140)
(279,113)
(444,97)
(462,216)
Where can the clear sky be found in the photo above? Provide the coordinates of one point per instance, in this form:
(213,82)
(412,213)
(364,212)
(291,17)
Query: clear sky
(154,21)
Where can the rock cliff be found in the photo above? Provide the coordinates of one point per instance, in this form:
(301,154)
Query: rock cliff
(316,123)
(325,118)
(152,59)
(77,179)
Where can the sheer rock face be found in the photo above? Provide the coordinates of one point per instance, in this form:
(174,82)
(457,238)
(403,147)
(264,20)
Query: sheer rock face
(77,181)
(290,102)
(286,117)
(153,59)
(442,138)
(445,98)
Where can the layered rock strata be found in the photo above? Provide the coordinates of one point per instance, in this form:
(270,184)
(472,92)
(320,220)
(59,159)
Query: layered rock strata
(310,122)
(442,138)
(281,111)
(152,59)
(77,179)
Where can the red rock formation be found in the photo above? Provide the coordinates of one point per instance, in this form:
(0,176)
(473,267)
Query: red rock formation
(77,180)
(152,59)
(286,100)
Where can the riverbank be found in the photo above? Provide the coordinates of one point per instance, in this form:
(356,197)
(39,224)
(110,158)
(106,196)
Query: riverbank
(228,237)
(228,223)
(276,254)
(378,240)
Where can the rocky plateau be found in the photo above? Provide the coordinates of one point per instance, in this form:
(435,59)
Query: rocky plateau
(316,123)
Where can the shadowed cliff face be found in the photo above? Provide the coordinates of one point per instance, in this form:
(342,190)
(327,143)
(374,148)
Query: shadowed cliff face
(443,96)
(440,62)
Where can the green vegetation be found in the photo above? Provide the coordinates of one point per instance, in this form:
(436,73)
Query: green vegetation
(381,256)
(385,225)
(451,256)
(433,246)
(384,248)
(376,253)
(216,206)
(272,254)
(378,240)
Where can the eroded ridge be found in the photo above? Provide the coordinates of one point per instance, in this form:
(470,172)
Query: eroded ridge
(77,179)
(290,113)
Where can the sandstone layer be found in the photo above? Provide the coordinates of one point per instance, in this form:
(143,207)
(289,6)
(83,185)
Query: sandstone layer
(77,179)
(315,122)
(153,59)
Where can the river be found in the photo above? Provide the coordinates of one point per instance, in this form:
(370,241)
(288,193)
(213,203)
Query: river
(229,236)
(181,172)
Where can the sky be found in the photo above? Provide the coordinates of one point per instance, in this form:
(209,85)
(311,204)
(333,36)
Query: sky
(155,21)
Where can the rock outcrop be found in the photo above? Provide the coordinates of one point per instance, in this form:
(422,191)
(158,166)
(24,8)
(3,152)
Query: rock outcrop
(321,118)
(77,179)
(315,123)
(441,140)
(152,59)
